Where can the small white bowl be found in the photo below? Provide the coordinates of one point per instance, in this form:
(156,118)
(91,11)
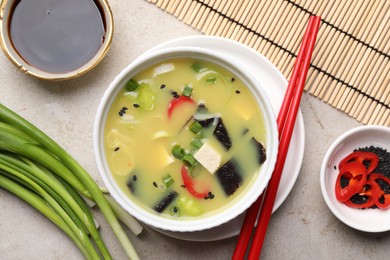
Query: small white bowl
(368,220)
(252,191)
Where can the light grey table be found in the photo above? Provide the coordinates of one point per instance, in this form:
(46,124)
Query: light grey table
(302,228)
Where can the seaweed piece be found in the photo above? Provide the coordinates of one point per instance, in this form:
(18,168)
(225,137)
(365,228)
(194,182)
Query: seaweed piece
(229,177)
(161,205)
(206,122)
(222,135)
(260,150)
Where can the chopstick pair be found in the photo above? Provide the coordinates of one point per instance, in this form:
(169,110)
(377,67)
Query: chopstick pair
(285,121)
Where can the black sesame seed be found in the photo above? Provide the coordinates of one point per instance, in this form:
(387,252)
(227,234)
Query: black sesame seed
(238,92)
(116,149)
(233,79)
(135,105)
(155,184)
(175,209)
(135,178)
(124,108)
(334,167)
(120,113)
(162,86)
(183,186)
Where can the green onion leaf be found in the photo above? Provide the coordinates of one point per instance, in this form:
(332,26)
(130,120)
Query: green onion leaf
(189,160)
(196,143)
(187,91)
(178,151)
(174,211)
(168,180)
(210,81)
(195,127)
(131,85)
(197,67)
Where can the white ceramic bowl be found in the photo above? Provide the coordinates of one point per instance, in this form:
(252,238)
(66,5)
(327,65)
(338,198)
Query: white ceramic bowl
(368,220)
(237,206)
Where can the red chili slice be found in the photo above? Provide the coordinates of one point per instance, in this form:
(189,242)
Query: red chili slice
(177,102)
(355,174)
(361,157)
(383,201)
(369,195)
(189,184)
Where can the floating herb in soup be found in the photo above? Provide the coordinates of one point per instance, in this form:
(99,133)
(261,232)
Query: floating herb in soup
(183,138)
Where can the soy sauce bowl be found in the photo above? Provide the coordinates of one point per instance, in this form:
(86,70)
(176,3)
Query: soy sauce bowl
(50,41)
(367,220)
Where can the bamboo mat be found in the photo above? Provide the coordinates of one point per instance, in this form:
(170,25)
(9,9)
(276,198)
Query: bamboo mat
(350,65)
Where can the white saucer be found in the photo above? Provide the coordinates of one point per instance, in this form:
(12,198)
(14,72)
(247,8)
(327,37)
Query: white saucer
(275,86)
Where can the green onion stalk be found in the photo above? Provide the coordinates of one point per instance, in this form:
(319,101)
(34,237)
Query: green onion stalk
(40,204)
(22,139)
(69,200)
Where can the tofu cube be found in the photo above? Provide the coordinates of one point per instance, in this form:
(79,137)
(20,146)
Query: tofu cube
(208,157)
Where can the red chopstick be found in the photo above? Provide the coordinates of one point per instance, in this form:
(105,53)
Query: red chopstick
(286,121)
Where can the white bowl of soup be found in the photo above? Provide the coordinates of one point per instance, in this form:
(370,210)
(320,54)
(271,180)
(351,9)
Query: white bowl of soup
(185,139)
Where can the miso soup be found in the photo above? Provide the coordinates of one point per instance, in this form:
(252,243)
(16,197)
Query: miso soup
(184,137)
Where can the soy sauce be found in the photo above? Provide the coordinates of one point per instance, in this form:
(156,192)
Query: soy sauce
(57,36)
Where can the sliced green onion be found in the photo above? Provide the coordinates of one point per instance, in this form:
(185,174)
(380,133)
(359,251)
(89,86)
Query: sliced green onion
(146,97)
(131,85)
(210,81)
(161,186)
(187,91)
(197,67)
(168,180)
(195,171)
(195,127)
(178,151)
(189,160)
(174,211)
(196,143)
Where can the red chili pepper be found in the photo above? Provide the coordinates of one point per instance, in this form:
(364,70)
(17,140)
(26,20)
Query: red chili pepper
(189,184)
(361,157)
(369,194)
(356,175)
(177,102)
(383,201)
